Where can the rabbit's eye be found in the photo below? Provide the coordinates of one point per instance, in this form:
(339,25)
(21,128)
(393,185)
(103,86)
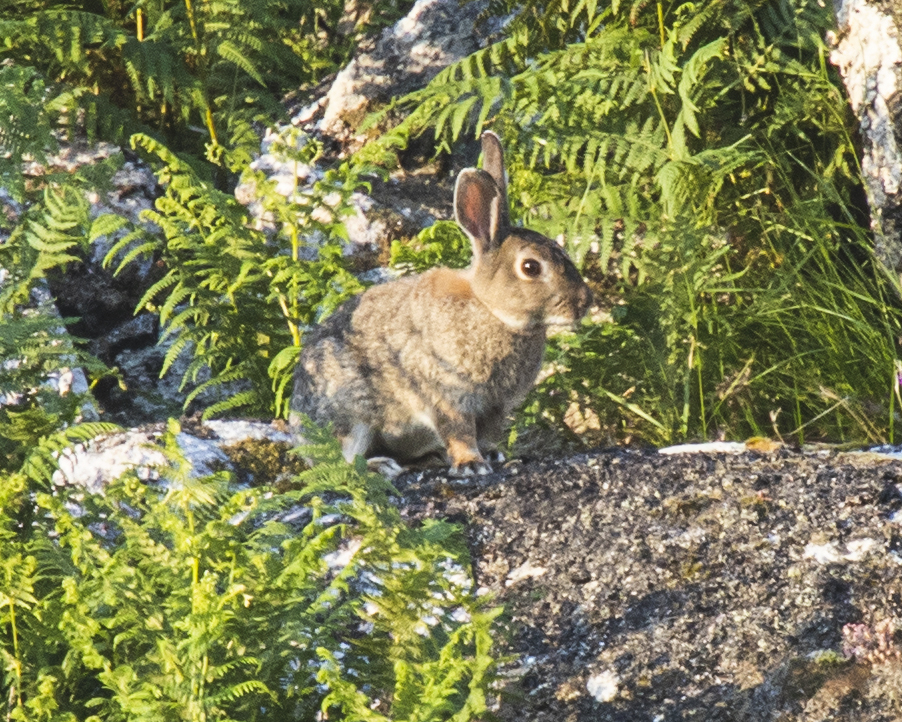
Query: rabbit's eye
(531,268)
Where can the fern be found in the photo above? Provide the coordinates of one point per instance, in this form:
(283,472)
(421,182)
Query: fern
(26,130)
(43,457)
(232,298)
(54,232)
(199,75)
(188,598)
(33,347)
(697,159)
(620,105)
(442,243)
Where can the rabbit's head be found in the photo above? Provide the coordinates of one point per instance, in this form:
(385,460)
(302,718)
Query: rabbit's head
(523,277)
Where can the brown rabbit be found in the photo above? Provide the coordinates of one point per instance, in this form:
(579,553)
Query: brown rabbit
(436,362)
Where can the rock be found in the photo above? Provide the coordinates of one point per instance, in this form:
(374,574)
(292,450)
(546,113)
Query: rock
(433,35)
(710,447)
(867,51)
(11,210)
(603,686)
(104,304)
(133,349)
(397,208)
(235,445)
(62,380)
(134,190)
(740,587)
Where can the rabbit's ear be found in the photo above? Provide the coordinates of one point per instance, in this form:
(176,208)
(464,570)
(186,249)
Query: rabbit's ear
(477,208)
(493,164)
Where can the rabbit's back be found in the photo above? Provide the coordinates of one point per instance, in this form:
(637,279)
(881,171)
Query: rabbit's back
(389,358)
(469,357)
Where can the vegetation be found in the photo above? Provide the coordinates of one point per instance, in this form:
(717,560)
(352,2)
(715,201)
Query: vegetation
(190,597)
(224,278)
(698,160)
(186,599)
(197,74)
(35,349)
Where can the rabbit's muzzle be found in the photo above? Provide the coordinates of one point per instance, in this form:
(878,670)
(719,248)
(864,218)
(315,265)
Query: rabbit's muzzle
(584,301)
(570,308)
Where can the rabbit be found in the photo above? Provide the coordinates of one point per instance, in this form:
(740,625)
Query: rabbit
(433,363)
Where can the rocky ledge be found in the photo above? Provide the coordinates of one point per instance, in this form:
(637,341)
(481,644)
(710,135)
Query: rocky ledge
(644,586)
(751,583)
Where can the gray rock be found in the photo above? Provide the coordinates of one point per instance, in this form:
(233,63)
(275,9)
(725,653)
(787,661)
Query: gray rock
(867,52)
(88,291)
(134,191)
(433,35)
(725,587)
(63,380)
(94,465)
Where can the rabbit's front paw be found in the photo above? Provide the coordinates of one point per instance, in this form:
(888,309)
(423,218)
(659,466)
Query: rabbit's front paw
(470,468)
(465,457)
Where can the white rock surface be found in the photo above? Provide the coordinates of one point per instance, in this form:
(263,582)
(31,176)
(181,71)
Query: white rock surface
(603,686)
(103,460)
(434,34)
(527,570)
(833,552)
(866,51)
(710,447)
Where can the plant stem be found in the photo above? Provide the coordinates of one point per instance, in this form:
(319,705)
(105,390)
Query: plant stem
(210,127)
(18,662)
(701,397)
(892,404)
(190,11)
(295,257)
(208,114)
(12,624)
(661,23)
(292,326)
(654,95)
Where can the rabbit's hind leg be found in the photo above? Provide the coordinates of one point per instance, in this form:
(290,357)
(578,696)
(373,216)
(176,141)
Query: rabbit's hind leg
(358,442)
(459,433)
(386,466)
(465,462)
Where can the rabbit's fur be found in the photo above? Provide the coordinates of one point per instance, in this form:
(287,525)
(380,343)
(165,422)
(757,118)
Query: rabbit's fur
(434,363)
